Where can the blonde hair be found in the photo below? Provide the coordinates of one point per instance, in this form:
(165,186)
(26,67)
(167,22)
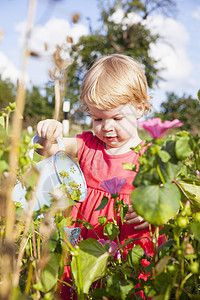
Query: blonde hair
(112,81)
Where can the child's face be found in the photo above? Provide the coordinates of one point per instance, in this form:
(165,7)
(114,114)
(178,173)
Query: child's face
(115,127)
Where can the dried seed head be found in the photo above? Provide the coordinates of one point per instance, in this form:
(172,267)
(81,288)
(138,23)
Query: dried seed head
(69,39)
(34,54)
(61,199)
(75,18)
(59,61)
(189,249)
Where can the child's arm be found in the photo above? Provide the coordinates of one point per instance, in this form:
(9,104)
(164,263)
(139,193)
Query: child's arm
(132,218)
(48,131)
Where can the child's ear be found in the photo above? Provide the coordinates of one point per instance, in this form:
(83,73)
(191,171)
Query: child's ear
(140,111)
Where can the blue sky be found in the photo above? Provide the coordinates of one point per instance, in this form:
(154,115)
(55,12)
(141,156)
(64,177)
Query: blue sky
(179,50)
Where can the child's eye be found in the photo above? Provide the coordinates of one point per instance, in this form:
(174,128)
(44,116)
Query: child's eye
(98,120)
(118,119)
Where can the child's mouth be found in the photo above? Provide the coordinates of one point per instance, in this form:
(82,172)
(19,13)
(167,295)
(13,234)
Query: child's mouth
(110,138)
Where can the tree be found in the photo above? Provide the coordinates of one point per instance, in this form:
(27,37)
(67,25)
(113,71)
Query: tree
(185,108)
(7,92)
(128,37)
(37,106)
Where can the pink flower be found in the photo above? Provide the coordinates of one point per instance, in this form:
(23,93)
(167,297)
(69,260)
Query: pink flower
(156,128)
(114,185)
(113,246)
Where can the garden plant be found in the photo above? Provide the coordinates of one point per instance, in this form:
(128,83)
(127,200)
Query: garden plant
(36,245)
(167,196)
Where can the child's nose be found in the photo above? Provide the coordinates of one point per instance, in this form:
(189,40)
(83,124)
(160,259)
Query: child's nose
(107,126)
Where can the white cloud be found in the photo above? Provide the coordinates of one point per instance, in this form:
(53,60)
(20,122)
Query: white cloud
(7,69)
(53,33)
(170,49)
(132,18)
(171,30)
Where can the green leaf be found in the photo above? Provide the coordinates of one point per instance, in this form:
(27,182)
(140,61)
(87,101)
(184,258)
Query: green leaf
(118,288)
(103,204)
(169,170)
(31,177)
(162,283)
(192,189)
(146,178)
(123,212)
(182,147)
(129,166)
(195,228)
(156,204)
(162,263)
(164,155)
(102,220)
(49,275)
(53,241)
(134,256)
(198,94)
(93,263)
(111,230)
(76,195)
(3,166)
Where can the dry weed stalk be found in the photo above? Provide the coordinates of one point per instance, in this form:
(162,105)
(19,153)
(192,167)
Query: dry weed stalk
(6,273)
(59,75)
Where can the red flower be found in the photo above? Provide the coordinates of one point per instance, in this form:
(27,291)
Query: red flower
(156,128)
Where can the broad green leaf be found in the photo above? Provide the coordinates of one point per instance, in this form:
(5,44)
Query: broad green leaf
(195,228)
(170,148)
(162,282)
(103,204)
(148,178)
(164,155)
(169,170)
(134,256)
(3,166)
(192,189)
(162,263)
(93,263)
(118,288)
(156,204)
(49,275)
(111,230)
(182,147)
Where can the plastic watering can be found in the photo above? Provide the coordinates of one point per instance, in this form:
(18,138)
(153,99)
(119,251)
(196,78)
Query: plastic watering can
(50,178)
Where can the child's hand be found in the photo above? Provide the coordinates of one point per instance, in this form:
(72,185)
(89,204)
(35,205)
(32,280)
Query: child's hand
(49,129)
(133,218)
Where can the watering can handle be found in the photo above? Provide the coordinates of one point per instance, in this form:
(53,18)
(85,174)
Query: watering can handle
(34,140)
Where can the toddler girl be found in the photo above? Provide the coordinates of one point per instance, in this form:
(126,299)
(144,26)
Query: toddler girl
(114,93)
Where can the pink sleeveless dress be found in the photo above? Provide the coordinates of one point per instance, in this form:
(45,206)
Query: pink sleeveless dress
(97,165)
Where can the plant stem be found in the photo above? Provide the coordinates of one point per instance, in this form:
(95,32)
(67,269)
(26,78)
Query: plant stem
(29,277)
(14,150)
(160,174)
(79,275)
(87,222)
